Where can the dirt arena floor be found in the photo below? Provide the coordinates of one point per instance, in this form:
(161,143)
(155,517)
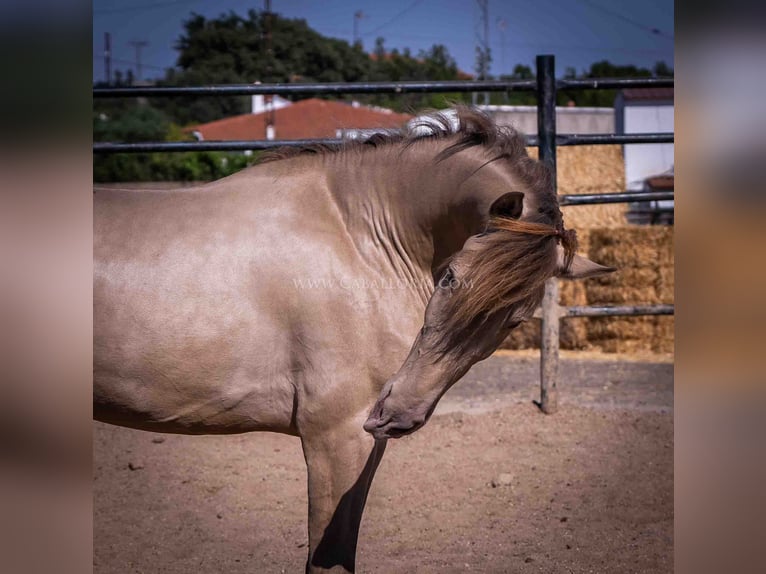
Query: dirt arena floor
(489,485)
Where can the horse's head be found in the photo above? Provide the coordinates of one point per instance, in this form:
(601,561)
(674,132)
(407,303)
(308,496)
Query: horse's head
(494,283)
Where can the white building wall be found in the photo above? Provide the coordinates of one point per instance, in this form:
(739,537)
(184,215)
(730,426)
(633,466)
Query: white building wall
(258,103)
(645,160)
(568,120)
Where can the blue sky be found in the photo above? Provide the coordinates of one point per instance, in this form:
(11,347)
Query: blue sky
(578,32)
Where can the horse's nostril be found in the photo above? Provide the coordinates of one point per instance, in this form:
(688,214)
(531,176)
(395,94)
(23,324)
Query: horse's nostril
(370,425)
(375,422)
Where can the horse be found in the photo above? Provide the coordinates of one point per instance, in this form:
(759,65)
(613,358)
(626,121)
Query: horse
(333,293)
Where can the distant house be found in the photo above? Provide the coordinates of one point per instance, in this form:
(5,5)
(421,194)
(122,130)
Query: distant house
(654,212)
(644,110)
(648,167)
(261,103)
(306,119)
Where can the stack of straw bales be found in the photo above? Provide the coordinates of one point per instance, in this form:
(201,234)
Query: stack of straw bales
(642,254)
(591,169)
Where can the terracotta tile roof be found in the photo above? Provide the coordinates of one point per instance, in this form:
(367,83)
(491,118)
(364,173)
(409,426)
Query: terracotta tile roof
(643,94)
(661,182)
(312,118)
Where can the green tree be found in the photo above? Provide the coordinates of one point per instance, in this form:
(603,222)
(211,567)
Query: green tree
(605,69)
(134,123)
(436,63)
(662,70)
(520,72)
(259,47)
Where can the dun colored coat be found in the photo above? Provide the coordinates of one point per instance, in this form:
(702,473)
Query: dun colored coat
(333,294)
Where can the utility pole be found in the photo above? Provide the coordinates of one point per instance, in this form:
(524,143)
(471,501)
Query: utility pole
(138,45)
(268,99)
(108,58)
(502,25)
(482,45)
(358,15)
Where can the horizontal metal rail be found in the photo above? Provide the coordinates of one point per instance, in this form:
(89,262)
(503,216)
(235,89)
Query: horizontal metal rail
(613,83)
(616,310)
(238,145)
(377,87)
(623,197)
(324,88)
(611,139)
(241,145)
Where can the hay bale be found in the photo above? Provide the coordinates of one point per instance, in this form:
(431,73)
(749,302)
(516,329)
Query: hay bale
(632,286)
(644,257)
(525,336)
(572,293)
(634,251)
(573,334)
(665,286)
(583,237)
(632,246)
(663,340)
(664,242)
(591,169)
(665,266)
(621,334)
(581,217)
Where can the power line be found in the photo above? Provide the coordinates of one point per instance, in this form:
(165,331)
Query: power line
(142,7)
(132,63)
(392,20)
(644,27)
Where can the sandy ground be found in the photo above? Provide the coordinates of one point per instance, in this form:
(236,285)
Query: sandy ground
(589,489)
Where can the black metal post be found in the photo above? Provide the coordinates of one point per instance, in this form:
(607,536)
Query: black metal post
(546,112)
(546,135)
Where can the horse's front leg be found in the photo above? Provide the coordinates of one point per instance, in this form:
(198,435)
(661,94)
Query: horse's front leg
(341,463)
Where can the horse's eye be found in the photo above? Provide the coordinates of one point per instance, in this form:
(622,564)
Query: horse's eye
(447,278)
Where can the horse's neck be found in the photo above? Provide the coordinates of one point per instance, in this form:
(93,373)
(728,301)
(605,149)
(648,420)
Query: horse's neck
(422,209)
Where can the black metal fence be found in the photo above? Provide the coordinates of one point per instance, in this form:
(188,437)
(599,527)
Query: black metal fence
(547,140)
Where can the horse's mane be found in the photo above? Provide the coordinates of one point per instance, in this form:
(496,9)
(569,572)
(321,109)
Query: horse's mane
(470,126)
(515,257)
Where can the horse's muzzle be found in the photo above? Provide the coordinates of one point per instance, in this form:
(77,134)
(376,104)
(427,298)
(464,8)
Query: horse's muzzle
(391,428)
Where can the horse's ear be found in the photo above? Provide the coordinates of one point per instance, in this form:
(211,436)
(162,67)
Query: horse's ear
(581,267)
(508,205)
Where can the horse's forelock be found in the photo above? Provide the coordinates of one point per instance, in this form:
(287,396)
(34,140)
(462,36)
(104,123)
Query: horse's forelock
(507,272)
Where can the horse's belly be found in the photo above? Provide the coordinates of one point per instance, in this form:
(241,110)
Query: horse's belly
(162,405)
(177,371)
